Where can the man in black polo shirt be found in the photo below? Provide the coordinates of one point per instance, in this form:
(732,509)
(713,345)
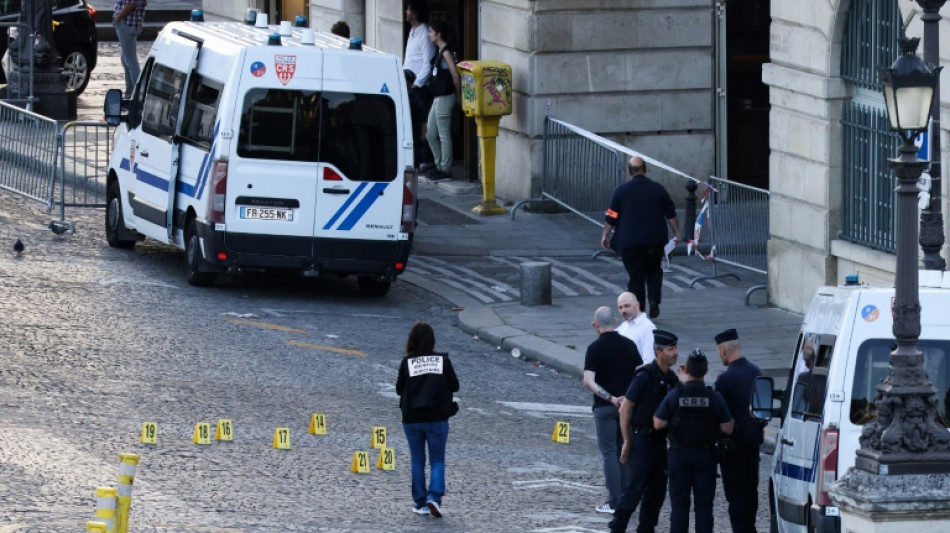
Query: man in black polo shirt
(640,211)
(609,366)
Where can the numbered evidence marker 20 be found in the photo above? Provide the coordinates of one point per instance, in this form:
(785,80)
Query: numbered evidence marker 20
(149,433)
(387,459)
(360,463)
(379,437)
(318,424)
(202,433)
(282,438)
(224,431)
(562,433)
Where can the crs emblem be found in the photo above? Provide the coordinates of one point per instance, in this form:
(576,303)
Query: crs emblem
(285,66)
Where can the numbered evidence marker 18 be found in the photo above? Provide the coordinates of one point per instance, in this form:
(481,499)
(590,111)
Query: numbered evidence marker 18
(149,433)
(318,424)
(282,438)
(202,433)
(562,433)
(224,431)
(387,459)
(360,463)
(379,437)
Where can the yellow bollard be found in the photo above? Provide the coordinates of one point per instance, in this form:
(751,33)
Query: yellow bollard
(487,133)
(105,509)
(127,466)
(97,527)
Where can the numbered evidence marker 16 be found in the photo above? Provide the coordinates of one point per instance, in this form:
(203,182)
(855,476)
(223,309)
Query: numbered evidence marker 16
(562,433)
(149,433)
(282,438)
(360,463)
(202,433)
(224,431)
(387,459)
(318,424)
(379,437)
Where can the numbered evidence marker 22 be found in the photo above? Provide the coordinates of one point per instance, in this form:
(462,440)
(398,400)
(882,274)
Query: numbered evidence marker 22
(379,437)
(149,433)
(360,463)
(282,438)
(318,424)
(224,431)
(562,433)
(202,433)
(387,459)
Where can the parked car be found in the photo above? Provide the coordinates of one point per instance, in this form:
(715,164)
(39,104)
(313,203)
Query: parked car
(74,33)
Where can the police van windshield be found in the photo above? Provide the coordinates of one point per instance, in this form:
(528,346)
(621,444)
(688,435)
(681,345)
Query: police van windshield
(871,367)
(354,132)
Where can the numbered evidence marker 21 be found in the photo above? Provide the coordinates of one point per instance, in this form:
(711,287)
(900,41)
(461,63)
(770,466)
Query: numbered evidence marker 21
(224,431)
(379,437)
(202,433)
(282,438)
(387,459)
(562,433)
(318,424)
(149,433)
(360,463)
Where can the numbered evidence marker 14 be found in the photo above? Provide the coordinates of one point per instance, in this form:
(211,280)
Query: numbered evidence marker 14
(224,431)
(387,459)
(318,424)
(360,463)
(282,438)
(562,433)
(149,433)
(379,437)
(202,433)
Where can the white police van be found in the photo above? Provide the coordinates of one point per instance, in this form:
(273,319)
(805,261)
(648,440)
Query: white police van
(253,151)
(840,358)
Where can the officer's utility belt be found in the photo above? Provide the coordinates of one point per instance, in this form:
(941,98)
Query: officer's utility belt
(693,447)
(637,430)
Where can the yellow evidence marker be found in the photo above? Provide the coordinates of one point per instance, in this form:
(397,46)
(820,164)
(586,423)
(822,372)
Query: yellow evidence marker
(387,459)
(202,433)
(224,431)
(379,437)
(360,463)
(562,433)
(149,433)
(318,424)
(282,438)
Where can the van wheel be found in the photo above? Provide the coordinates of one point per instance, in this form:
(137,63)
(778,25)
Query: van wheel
(114,219)
(373,287)
(194,261)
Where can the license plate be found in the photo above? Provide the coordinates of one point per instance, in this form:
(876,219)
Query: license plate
(266,213)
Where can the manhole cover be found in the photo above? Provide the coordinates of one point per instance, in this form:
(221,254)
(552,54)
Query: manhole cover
(436,214)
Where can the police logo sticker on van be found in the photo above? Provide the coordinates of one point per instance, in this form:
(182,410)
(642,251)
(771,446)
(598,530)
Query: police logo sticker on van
(258,69)
(385,89)
(285,66)
(870,313)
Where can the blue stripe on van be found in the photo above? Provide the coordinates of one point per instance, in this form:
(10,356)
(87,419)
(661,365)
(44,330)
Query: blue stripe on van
(800,473)
(206,163)
(346,204)
(374,193)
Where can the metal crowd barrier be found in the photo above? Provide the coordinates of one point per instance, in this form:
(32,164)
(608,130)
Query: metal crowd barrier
(22,91)
(84,152)
(28,153)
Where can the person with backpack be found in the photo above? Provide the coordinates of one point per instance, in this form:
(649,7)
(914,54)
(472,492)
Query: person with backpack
(695,416)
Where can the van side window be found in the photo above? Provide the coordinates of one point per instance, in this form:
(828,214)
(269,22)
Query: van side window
(201,108)
(162,100)
(871,367)
(138,95)
(808,396)
(358,135)
(279,124)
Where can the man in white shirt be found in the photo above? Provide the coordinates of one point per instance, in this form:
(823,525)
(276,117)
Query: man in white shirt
(419,54)
(636,326)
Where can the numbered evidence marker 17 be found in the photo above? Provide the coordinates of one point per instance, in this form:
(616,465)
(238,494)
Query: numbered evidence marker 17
(149,433)
(224,431)
(318,424)
(379,437)
(387,459)
(202,433)
(562,433)
(282,438)
(360,463)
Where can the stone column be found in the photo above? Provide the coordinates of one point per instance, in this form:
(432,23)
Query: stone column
(871,503)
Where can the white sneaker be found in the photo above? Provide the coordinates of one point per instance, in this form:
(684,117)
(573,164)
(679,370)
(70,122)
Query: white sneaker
(434,509)
(420,510)
(605,508)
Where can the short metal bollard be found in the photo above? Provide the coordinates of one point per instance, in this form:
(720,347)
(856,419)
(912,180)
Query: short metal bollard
(536,283)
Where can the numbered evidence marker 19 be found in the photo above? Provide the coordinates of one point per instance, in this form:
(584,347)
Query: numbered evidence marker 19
(318,424)
(202,433)
(387,459)
(224,431)
(282,438)
(562,433)
(379,437)
(360,463)
(149,433)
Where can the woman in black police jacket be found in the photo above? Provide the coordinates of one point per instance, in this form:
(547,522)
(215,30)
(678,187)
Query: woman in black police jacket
(425,386)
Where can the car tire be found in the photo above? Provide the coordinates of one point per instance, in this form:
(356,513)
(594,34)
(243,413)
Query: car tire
(194,260)
(114,219)
(76,68)
(370,286)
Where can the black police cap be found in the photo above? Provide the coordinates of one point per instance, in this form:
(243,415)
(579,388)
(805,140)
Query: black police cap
(726,336)
(664,338)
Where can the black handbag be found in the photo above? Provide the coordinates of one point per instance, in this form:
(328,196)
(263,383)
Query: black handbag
(440,81)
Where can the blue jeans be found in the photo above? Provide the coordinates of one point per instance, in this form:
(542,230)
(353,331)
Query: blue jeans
(434,435)
(130,61)
(609,441)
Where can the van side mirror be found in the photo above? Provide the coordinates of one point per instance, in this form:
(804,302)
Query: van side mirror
(113,107)
(763,395)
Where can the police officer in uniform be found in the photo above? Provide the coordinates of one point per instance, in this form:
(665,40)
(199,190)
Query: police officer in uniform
(740,465)
(696,417)
(643,446)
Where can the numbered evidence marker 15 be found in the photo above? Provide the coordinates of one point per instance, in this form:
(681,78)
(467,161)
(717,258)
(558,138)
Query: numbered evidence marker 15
(360,463)
(379,437)
(202,433)
(149,433)
(318,424)
(562,433)
(282,438)
(387,459)
(224,431)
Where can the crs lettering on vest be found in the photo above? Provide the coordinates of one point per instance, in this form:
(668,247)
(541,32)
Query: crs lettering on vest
(428,364)
(693,401)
